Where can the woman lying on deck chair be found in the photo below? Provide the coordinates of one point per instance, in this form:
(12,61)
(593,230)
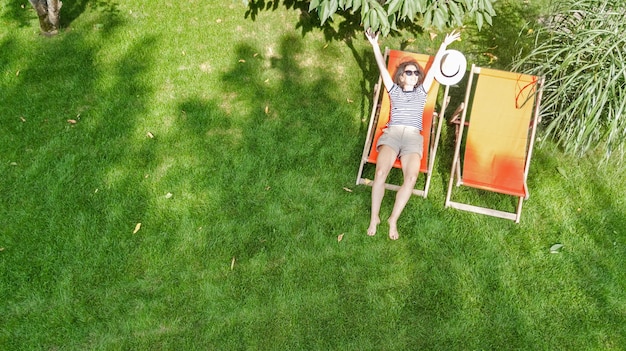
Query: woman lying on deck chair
(402,137)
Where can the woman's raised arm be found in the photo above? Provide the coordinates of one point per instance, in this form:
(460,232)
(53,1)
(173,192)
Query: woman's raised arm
(380,60)
(430,76)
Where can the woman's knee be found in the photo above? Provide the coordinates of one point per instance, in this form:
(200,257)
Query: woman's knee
(411,179)
(381,176)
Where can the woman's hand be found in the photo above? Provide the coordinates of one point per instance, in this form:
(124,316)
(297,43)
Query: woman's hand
(451,37)
(372,37)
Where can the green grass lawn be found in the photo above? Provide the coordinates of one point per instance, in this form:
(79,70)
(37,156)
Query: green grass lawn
(177,177)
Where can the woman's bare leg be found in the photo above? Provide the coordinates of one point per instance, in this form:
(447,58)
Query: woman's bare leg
(384,162)
(410,170)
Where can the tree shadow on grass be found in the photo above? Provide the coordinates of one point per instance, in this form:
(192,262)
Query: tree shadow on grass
(277,154)
(75,189)
(346,27)
(20,12)
(267,130)
(109,9)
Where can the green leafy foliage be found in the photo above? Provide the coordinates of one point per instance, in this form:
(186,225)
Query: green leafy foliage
(384,15)
(581,52)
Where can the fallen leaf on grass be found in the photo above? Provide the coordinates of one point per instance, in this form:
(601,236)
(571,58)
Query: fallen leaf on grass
(22,119)
(267,109)
(349,100)
(150,135)
(561,172)
(347,189)
(232,264)
(137,227)
(169,195)
(340,237)
(242,61)
(433,35)
(556,248)
(492,57)
(72,121)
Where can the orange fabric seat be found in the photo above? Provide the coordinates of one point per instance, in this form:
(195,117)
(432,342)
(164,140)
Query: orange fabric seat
(499,141)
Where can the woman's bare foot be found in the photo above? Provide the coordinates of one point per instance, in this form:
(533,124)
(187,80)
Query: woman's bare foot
(393,231)
(371,231)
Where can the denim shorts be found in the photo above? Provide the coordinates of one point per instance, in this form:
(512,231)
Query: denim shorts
(403,140)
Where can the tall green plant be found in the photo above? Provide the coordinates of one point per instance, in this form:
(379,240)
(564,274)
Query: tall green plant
(581,51)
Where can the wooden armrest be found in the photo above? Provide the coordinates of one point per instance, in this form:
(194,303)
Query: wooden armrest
(456,115)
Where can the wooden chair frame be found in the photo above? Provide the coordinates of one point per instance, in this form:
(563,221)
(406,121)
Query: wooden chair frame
(461,124)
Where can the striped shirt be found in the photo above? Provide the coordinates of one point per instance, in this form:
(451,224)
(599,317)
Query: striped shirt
(407,107)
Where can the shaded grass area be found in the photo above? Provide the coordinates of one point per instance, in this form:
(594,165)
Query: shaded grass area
(256,135)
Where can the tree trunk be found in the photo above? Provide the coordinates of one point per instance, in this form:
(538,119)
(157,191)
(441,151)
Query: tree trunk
(48,13)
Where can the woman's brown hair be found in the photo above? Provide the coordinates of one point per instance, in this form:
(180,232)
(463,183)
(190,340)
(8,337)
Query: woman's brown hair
(397,76)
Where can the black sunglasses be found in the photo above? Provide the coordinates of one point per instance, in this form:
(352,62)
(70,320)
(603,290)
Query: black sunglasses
(410,73)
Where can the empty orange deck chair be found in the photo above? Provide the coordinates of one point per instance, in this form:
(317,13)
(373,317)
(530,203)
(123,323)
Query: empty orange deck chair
(380,116)
(503,110)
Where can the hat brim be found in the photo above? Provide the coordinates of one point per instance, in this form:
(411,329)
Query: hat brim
(456,66)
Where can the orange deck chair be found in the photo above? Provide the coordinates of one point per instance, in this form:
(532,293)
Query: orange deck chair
(380,116)
(503,112)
